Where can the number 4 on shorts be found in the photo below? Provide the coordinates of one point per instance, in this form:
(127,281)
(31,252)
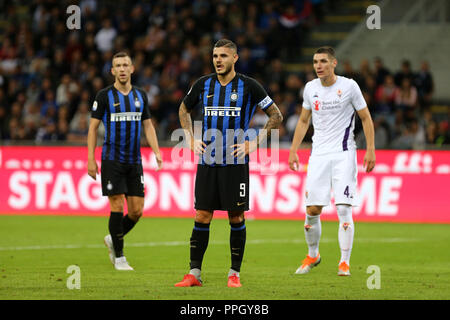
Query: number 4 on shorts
(346,192)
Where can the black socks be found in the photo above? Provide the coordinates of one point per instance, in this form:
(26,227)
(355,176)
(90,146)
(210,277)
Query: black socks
(128,224)
(238,235)
(200,238)
(119,226)
(199,242)
(116,230)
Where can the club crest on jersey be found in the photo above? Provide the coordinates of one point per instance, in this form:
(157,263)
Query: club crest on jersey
(234,96)
(316,105)
(339,93)
(137,104)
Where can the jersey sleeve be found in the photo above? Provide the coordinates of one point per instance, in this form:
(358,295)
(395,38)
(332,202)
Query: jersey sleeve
(146,110)
(259,95)
(358,101)
(99,106)
(192,98)
(306,103)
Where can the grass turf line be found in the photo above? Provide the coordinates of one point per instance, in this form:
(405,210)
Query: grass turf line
(36,251)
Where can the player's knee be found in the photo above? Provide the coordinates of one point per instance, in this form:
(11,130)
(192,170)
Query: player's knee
(203,216)
(235,216)
(135,214)
(314,210)
(116,203)
(344,212)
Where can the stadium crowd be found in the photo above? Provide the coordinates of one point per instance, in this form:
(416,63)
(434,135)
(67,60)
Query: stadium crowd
(49,75)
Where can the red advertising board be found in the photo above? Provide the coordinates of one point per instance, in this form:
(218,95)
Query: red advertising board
(406,186)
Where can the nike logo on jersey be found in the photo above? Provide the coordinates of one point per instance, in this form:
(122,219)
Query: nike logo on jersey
(209,96)
(116,104)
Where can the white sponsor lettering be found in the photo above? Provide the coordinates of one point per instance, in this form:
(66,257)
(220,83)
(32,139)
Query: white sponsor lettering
(63,192)
(181,194)
(366,197)
(290,197)
(41,180)
(222,111)
(389,195)
(20,195)
(126,116)
(262,192)
(90,193)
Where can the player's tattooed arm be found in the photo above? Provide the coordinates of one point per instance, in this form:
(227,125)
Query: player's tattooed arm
(275,119)
(197,146)
(274,122)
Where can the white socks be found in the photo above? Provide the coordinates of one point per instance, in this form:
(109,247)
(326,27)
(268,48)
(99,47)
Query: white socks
(313,230)
(196,272)
(231,272)
(346,231)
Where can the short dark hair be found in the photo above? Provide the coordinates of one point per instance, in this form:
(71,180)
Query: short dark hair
(226,43)
(328,50)
(121,54)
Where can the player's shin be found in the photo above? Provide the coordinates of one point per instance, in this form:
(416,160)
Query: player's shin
(238,236)
(116,230)
(346,231)
(313,231)
(198,244)
(127,224)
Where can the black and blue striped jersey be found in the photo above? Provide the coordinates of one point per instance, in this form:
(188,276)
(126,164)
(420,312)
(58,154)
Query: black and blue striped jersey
(227,111)
(122,116)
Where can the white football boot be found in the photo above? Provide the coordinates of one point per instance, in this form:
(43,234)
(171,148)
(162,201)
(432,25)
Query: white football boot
(122,264)
(109,244)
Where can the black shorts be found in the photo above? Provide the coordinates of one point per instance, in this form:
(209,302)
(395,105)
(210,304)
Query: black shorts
(222,187)
(122,178)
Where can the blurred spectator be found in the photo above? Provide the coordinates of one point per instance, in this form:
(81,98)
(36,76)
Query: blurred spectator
(365,70)
(406,99)
(3,123)
(318,10)
(385,96)
(49,75)
(105,36)
(47,132)
(291,20)
(424,84)
(405,72)
(79,133)
(291,122)
(431,133)
(443,134)
(380,71)
(82,114)
(49,103)
(413,137)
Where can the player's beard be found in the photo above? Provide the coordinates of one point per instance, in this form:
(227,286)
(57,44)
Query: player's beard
(226,71)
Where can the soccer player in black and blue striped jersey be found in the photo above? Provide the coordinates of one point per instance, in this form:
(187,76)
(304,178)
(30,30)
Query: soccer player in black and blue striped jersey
(229,100)
(124,111)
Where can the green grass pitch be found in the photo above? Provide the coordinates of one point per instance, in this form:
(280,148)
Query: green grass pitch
(35,252)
